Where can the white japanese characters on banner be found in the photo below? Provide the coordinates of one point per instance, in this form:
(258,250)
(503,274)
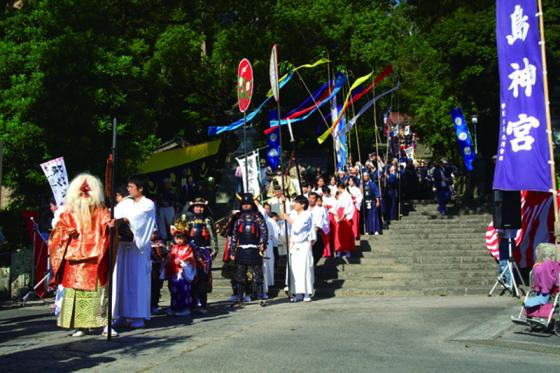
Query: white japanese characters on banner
(523,150)
(253,170)
(55,171)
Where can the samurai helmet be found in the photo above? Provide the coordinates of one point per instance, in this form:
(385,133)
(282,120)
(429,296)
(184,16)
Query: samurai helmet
(180,226)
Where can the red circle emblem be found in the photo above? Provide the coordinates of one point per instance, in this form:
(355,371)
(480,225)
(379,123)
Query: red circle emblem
(244,84)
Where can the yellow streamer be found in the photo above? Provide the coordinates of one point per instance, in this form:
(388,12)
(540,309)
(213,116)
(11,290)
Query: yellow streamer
(305,66)
(321,139)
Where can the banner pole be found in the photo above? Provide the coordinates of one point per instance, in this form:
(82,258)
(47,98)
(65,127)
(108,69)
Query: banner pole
(548,124)
(111,234)
(285,196)
(245,151)
(377,154)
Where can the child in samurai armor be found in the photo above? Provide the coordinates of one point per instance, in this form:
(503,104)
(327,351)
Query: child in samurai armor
(248,245)
(181,270)
(201,230)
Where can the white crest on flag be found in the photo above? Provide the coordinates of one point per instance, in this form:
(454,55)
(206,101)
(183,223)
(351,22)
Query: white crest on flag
(525,78)
(253,171)
(521,132)
(519,26)
(55,171)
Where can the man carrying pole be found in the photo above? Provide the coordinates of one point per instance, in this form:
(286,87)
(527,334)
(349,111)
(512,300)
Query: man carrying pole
(273,70)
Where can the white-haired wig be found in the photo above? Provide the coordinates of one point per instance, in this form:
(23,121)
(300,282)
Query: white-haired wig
(84,195)
(546,251)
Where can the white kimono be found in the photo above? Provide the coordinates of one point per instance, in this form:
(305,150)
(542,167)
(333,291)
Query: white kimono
(302,234)
(132,275)
(268,264)
(321,218)
(357,195)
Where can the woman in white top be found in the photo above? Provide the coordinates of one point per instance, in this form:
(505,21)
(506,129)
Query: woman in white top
(302,237)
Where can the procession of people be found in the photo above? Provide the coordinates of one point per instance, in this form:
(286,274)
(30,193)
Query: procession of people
(159,241)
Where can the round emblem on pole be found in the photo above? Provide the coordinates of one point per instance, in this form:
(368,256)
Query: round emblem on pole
(244,84)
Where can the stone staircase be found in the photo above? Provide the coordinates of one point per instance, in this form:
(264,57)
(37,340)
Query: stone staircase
(421,254)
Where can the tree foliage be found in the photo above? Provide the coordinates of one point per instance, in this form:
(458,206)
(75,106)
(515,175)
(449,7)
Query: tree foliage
(67,67)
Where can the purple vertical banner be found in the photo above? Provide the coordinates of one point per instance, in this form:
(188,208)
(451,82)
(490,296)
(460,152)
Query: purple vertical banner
(523,151)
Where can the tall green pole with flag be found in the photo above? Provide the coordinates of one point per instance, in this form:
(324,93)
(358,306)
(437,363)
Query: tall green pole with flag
(274,84)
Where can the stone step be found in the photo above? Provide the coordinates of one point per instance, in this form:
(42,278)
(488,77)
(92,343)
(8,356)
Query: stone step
(407,285)
(404,269)
(420,248)
(402,292)
(411,284)
(421,216)
(438,228)
(416,276)
(428,252)
(425,234)
(422,260)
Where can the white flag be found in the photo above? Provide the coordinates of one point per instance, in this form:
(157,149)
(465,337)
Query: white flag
(253,170)
(55,171)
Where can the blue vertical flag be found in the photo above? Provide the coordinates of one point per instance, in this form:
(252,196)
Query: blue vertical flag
(523,151)
(339,136)
(463,138)
(341,145)
(273,140)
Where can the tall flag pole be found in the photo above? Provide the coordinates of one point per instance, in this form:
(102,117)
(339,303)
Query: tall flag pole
(377,155)
(111,172)
(548,122)
(273,73)
(244,93)
(525,160)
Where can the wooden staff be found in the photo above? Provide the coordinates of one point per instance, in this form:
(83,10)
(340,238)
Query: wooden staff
(377,155)
(549,125)
(112,232)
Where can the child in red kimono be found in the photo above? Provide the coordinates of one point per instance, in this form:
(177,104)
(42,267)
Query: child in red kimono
(181,270)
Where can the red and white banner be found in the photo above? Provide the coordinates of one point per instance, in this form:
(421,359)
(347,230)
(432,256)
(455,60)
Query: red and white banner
(537,217)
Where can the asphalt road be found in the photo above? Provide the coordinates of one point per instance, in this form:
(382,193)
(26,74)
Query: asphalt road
(429,334)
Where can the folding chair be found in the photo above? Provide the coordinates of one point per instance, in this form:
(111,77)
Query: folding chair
(545,317)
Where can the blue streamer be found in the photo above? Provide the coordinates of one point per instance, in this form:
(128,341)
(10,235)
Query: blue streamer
(216,130)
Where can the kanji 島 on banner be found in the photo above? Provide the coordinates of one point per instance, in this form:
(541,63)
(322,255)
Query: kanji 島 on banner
(523,150)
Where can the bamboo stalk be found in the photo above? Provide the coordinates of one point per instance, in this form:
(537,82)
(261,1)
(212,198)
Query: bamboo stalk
(548,122)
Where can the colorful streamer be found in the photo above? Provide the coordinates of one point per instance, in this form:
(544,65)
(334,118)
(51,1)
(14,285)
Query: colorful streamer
(216,130)
(369,104)
(386,72)
(341,79)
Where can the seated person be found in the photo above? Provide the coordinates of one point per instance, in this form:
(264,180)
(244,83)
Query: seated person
(544,281)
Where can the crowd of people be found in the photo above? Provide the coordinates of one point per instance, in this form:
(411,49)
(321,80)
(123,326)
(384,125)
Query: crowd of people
(303,214)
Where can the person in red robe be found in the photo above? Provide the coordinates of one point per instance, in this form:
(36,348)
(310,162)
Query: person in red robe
(78,249)
(344,209)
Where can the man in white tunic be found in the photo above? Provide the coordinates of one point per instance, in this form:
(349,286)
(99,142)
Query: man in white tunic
(302,236)
(132,276)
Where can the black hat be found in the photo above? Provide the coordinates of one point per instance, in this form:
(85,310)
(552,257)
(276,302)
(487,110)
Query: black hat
(247,199)
(198,201)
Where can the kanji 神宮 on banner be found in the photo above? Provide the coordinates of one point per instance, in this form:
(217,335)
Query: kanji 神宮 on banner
(523,150)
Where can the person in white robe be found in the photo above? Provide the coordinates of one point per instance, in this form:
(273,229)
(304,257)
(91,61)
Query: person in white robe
(321,225)
(357,198)
(132,275)
(268,260)
(302,237)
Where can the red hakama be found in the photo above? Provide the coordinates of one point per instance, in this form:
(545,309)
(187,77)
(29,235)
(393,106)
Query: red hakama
(343,234)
